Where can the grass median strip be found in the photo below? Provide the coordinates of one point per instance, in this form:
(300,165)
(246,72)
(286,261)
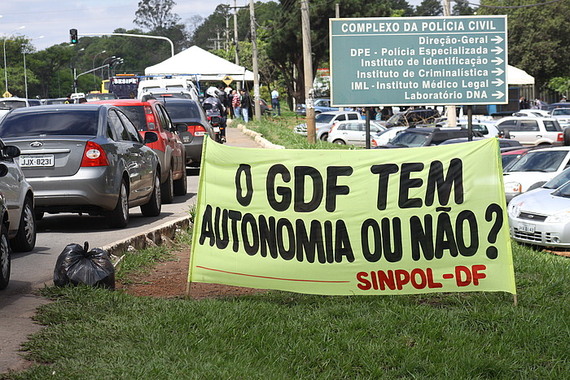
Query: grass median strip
(95,333)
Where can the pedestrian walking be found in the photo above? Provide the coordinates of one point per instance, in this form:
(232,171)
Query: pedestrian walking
(236,104)
(245,105)
(275,102)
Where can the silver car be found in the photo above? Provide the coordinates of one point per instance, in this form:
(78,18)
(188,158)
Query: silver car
(85,158)
(542,216)
(19,200)
(353,132)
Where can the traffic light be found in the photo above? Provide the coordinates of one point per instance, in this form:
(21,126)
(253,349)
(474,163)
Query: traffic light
(73,36)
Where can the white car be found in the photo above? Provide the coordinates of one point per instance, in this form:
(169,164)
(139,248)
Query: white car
(542,216)
(383,138)
(353,132)
(532,131)
(531,113)
(562,115)
(324,122)
(534,169)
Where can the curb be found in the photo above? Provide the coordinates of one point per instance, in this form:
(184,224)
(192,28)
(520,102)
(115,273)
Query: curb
(257,137)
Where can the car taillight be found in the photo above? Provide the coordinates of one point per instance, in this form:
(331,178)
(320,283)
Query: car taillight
(560,137)
(373,142)
(150,120)
(93,155)
(197,129)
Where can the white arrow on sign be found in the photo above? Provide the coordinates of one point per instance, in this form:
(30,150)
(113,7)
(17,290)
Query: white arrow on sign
(497,61)
(497,50)
(498,94)
(497,39)
(498,71)
(498,82)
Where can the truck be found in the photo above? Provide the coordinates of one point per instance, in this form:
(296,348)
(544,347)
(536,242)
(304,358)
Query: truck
(124,86)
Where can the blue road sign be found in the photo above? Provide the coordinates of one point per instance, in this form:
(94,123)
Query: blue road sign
(460,60)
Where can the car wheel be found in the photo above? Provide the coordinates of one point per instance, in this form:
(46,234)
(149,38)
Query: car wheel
(119,217)
(152,208)
(324,136)
(181,184)
(567,136)
(4,257)
(25,240)
(339,142)
(167,188)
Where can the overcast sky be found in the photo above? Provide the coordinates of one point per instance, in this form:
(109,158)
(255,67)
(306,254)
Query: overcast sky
(53,18)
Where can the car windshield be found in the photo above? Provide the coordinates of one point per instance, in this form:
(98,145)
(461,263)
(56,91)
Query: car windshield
(559,180)
(409,139)
(77,122)
(395,119)
(136,115)
(546,161)
(186,110)
(561,111)
(324,118)
(12,104)
(563,190)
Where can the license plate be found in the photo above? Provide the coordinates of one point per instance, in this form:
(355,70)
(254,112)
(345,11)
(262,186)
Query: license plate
(528,228)
(216,129)
(44,160)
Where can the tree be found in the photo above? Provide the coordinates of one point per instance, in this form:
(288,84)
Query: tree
(156,14)
(429,8)
(462,8)
(539,37)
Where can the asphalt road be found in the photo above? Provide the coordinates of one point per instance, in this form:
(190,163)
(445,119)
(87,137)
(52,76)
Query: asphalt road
(34,270)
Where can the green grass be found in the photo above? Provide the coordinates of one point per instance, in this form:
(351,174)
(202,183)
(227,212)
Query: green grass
(279,130)
(101,334)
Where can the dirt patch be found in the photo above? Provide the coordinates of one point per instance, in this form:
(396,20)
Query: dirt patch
(169,279)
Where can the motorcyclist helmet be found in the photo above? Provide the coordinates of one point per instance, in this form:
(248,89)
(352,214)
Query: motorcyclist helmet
(212,91)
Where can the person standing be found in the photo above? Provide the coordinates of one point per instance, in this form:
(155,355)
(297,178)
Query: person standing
(236,104)
(245,105)
(275,102)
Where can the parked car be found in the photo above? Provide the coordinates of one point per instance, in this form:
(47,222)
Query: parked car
(353,132)
(5,250)
(534,169)
(504,144)
(153,116)
(412,117)
(324,122)
(424,136)
(510,156)
(383,138)
(321,105)
(532,131)
(562,115)
(192,125)
(18,197)
(542,216)
(531,113)
(85,158)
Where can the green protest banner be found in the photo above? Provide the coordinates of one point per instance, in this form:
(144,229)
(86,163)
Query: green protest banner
(354,222)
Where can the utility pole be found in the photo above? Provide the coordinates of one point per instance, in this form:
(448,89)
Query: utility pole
(308,72)
(257,106)
(236,31)
(449,110)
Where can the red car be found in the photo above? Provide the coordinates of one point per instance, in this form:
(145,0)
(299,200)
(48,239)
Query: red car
(151,115)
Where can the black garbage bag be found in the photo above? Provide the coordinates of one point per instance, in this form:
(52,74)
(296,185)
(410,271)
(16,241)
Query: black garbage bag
(77,265)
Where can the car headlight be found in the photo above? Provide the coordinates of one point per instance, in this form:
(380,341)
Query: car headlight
(514,209)
(513,187)
(559,217)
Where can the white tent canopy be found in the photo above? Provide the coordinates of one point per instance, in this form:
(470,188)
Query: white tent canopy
(204,65)
(517,76)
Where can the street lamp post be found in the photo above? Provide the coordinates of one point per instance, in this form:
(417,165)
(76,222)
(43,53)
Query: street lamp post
(25,69)
(102,52)
(5,65)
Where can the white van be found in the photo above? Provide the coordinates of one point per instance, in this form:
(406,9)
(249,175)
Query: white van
(174,84)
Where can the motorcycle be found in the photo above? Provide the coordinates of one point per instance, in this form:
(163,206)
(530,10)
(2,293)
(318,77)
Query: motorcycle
(216,121)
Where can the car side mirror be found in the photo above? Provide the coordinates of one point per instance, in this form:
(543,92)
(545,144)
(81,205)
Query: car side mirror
(181,127)
(150,137)
(10,151)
